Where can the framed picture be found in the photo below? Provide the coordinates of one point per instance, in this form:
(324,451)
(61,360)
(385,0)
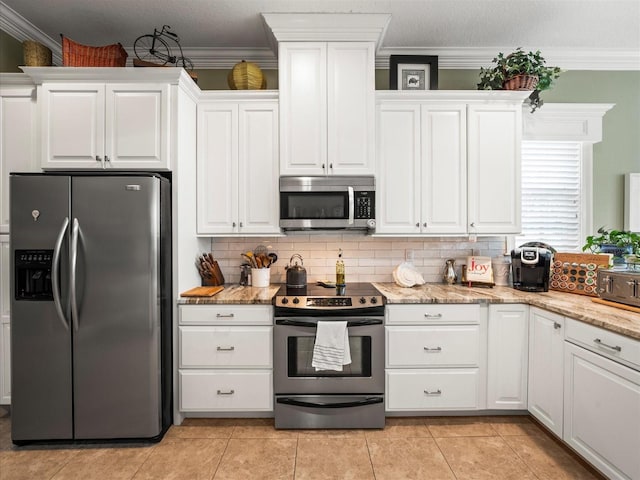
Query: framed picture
(413,72)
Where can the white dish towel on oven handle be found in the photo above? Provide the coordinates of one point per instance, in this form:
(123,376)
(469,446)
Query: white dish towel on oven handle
(331,350)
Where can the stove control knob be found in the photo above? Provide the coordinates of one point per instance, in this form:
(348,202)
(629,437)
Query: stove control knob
(363,300)
(285,300)
(296,300)
(374,300)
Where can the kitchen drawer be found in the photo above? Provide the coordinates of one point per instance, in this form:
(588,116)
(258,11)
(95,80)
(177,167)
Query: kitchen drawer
(436,389)
(623,349)
(433,346)
(225,347)
(433,314)
(226,314)
(229,390)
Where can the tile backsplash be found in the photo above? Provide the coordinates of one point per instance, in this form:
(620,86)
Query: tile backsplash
(366,258)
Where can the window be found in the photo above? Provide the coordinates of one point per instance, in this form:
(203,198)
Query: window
(556,182)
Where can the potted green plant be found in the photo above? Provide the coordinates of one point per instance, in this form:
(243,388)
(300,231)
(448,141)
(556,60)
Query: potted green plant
(624,245)
(519,70)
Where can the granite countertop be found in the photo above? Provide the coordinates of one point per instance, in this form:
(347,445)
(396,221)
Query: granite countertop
(579,307)
(235,294)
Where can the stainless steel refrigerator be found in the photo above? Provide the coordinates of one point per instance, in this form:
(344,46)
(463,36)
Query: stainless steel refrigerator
(90,306)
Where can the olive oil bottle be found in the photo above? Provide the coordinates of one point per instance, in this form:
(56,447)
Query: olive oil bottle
(340,280)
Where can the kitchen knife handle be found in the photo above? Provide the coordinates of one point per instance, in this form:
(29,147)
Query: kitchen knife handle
(55,274)
(73,263)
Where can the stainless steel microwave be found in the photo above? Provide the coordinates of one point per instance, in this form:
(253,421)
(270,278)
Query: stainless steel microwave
(327,203)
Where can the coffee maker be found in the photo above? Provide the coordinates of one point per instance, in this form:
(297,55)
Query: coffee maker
(531,267)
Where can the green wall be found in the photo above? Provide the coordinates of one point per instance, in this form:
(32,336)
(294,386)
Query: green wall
(617,154)
(10,53)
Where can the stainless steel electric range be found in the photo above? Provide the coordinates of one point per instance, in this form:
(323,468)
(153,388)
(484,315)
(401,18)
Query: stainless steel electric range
(310,398)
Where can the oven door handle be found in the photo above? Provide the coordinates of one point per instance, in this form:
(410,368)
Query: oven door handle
(351,323)
(357,403)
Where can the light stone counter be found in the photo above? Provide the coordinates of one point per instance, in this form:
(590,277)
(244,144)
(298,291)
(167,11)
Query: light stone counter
(579,307)
(234,294)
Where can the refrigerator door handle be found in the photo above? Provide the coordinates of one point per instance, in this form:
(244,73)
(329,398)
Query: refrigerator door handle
(55,273)
(73,261)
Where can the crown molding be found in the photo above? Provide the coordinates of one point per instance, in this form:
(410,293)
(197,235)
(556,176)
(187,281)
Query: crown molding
(475,57)
(22,29)
(448,57)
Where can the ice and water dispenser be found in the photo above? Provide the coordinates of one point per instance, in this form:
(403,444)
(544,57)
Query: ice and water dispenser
(33,275)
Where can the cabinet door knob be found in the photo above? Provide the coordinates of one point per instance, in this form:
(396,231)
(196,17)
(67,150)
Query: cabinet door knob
(556,325)
(240,224)
(424,224)
(233,224)
(98,159)
(323,166)
(418,224)
(473,224)
(331,166)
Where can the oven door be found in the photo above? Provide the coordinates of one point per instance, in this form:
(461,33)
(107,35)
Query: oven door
(294,338)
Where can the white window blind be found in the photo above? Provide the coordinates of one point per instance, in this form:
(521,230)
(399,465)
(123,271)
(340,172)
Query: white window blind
(551,195)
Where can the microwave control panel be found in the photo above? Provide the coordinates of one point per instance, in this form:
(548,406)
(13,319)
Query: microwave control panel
(364,205)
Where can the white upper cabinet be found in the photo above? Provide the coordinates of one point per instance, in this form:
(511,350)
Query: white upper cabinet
(448,163)
(421,168)
(109,125)
(237,165)
(18,135)
(120,118)
(494,144)
(326,68)
(327,108)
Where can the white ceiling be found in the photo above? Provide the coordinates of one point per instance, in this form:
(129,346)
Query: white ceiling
(573,34)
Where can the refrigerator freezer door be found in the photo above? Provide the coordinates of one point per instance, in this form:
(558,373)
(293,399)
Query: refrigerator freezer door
(116,339)
(40,343)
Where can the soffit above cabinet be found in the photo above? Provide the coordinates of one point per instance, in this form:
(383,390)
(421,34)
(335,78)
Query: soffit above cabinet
(325,27)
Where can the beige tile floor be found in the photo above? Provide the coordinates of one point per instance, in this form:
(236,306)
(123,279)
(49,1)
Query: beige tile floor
(214,449)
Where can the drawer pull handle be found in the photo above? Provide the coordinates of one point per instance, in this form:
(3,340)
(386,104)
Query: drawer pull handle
(556,325)
(228,392)
(225,349)
(602,344)
(433,315)
(434,349)
(225,315)
(435,392)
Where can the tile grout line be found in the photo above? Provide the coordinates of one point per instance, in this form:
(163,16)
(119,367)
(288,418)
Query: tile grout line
(517,455)
(151,450)
(373,468)
(295,457)
(435,440)
(223,452)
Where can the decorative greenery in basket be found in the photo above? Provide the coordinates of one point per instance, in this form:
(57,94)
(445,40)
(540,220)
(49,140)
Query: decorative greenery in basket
(519,70)
(625,246)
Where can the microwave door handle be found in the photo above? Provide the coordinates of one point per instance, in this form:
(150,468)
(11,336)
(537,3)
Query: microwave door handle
(55,274)
(351,205)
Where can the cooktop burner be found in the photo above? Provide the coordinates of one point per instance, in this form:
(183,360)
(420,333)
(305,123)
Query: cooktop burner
(351,296)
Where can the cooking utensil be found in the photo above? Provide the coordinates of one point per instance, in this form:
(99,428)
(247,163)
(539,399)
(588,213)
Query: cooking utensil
(296,273)
(273,258)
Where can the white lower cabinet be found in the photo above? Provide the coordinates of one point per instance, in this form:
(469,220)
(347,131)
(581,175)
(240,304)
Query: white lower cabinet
(225,358)
(546,360)
(434,358)
(602,402)
(507,357)
(232,390)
